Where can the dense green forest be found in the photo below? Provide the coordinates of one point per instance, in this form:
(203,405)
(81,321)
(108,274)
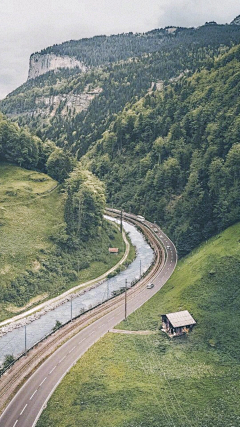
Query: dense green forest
(50,237)
(122,69)
(103,49)
(19,146)
(42,254)
(161,128)
(174,156)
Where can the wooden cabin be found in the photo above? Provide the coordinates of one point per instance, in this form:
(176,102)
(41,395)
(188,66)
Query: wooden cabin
(175,324)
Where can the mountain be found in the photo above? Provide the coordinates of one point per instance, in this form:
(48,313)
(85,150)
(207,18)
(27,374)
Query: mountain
(100,50)
(41,64)
(156,116)
(236,21)
(74,106)
(174,155)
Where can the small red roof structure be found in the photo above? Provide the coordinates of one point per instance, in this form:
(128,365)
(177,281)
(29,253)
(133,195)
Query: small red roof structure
(113,250)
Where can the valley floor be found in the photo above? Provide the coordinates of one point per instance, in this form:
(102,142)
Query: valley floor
(34,264)
(129,380)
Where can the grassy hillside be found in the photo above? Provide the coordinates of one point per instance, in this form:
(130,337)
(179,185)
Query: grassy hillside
(27,218)
(33,264)
(154,381)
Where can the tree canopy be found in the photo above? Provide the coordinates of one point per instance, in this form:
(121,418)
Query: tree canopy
(85,204)
(174,156)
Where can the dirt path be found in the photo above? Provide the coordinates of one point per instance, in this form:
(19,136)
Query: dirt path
(123,331)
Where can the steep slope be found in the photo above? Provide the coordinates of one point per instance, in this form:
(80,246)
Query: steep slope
(236,21)
(74,108)
(99,50)
(153,381)
(37,260)
(50,236)
(174,155)
(42,63)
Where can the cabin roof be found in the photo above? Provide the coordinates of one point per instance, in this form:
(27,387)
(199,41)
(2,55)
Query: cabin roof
(181,318)
(113,250)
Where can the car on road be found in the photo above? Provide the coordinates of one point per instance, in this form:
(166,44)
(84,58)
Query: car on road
(150,285)
(168,247)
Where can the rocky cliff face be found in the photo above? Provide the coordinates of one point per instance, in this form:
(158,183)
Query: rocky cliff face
(41,64)
(70,103)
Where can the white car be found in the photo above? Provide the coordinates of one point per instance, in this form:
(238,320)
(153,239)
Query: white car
(150,285)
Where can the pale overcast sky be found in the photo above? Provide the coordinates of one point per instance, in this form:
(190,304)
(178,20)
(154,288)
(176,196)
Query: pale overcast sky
(28,26)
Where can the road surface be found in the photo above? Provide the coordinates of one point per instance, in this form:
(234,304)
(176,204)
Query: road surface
(27,405)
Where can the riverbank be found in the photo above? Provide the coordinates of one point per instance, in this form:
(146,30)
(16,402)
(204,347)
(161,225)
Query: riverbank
(41,309)
(25,333)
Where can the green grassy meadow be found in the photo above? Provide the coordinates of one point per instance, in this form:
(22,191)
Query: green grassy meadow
(155,381)
(33,266)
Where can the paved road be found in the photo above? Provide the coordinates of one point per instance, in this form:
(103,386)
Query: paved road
(27,405)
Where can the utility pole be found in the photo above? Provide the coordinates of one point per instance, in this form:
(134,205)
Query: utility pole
(121,226)
(125,299)
(25,329)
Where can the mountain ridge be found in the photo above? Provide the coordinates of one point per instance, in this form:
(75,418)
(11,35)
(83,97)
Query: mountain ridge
(99,50)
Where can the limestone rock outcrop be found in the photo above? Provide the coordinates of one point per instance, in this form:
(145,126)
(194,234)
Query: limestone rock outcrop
(42,63)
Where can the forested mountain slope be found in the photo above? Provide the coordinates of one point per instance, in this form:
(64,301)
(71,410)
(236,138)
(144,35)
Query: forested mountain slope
(50,236)
(174,156)
(160,128)
(73,108)
(46,246)
(103,49)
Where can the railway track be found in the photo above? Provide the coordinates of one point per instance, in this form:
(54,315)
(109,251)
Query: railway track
(11,381)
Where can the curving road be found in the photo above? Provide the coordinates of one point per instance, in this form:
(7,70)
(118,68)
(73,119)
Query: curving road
(27,405)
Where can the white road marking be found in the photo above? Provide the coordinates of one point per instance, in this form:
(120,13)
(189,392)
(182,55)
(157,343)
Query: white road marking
(111,319)
(52,369)
(60,361)
(43,381)
(33,395)
(71,350)
(23,409)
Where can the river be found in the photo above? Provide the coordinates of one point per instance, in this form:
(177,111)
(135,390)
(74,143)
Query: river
(14,342)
